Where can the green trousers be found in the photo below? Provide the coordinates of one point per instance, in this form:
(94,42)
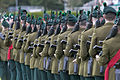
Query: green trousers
(23,68)
(19,71)
(50,76)
(32,74)
(82,78)
(8,71)
(12,69)
(43,75)
(28,72)
(64,76)
(57,77)
(37,75)
(89,78)
(99,78)
(74,77)
(3,70)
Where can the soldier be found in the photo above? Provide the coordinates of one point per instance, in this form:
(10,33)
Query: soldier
(31,46)
(44,52)
(29,49)
(34,56)
(100,34)
(71,20)
(3,55)
(110,54)
(77,46)
(15,50)
(40,47)
(46,16)
(86,69)
(41,43)
(55,63)
(73,67)
(40,25)
(10,56)
(20,42)
(51,49)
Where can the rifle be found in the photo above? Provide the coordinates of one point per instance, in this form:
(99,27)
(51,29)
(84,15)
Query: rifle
(73,52)
(48,63)
(75,68)
(76,46)
(63,42)
(53,46)
(101,42)
(77,13)
(96,47)
(88,42)
(77,24)
(89,67)
(11,26)
(19,14)
(65,64)
(58,28)
(90,23)
(65,25)
(97,23)
(18,20)
(114,29)
(24,25)
(29,29)
(40,45)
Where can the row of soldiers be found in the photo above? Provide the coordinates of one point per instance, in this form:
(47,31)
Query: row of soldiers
(61,46)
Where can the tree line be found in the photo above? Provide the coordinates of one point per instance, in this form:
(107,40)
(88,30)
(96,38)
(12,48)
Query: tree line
(47,4)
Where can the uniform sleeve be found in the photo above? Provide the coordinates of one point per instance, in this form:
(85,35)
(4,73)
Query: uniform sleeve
(34,49)
(92,51)
(13,40)
(7,41)
(24,43)
(83,48)
(27,44)
(59,49)
(68,46)
(18,44)
(78,57)
(44,53)
(39,49)
(104,58)
(52,49)
(78,54)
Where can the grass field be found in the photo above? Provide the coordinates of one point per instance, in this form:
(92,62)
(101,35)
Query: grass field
(41,13)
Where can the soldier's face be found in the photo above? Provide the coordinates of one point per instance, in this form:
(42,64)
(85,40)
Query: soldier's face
(94,20)
(22,21)
(61,26)
(10,21)
(27,23)
(32,26)
(38,27)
